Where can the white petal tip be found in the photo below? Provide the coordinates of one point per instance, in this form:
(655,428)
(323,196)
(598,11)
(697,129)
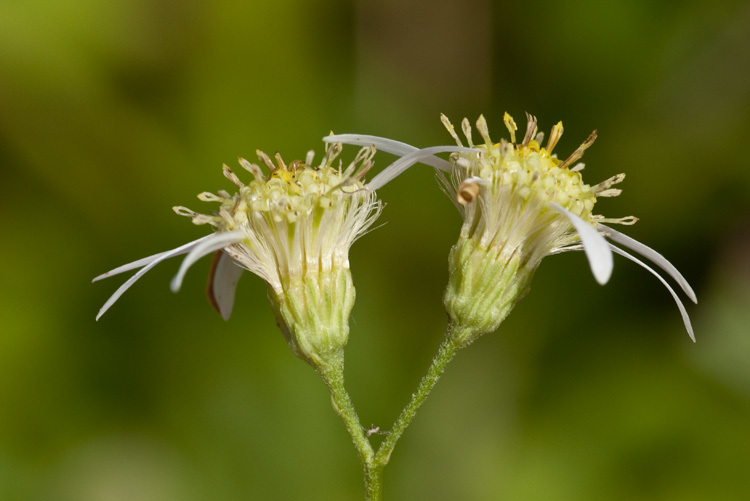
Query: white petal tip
(602,276)
(680,306)
(653,256)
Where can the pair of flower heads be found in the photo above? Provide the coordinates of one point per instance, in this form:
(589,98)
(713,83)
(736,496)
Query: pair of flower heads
(293,226)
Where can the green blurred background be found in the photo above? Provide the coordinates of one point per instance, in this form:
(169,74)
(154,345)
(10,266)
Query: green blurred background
(113,112)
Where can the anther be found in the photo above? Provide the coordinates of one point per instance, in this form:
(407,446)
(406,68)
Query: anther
(467,191)
(466,126)
(265,159)
(451,130)
(578,153)
(279,161)
(554,136)
(484,131)
(511,125)
(251,168)
(530,129)
(232,176)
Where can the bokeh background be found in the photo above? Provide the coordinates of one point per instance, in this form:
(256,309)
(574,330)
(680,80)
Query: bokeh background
(113,112)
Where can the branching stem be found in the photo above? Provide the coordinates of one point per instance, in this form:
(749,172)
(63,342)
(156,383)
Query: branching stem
(374,462)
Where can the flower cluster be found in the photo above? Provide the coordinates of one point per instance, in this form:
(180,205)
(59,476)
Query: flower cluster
(293,227)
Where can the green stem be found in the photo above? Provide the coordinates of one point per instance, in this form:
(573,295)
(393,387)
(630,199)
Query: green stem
(445,354)
(373,481)
(333,374)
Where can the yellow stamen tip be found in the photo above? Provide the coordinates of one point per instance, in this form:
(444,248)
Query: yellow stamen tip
(511,125)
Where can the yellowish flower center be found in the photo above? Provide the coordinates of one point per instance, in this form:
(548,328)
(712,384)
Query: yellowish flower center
(528,169)
(288,193)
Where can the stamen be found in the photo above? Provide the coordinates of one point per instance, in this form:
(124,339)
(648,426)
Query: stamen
(332,151)
(530,129)
(613,192)
(184,211)
(252,169)
(451,130)
(554,136)
(511,125)
(627,220)
(578,153)
(466,126)
(606,184)
(279,161)
(201,219)
(265,159)
(232,176)
(310,157)
(209,197)
(364,156)
(484,131)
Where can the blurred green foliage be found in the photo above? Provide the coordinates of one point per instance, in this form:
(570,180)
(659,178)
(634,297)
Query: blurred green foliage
(112,112)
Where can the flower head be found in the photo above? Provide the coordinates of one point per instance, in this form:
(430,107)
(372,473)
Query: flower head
(293,227)
(520,203)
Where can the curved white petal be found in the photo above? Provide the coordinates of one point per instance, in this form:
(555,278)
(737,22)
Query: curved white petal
(222,283)
(652,255)
(183,249)
(418,156)
(215,242)
(380,143)
(594,245)
(150,261)
(683,312)
(388,146)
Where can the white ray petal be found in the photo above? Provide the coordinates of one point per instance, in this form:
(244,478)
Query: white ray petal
(594,245)
(183,249)
(388,146)
(683,312)
(222,283)
(216,242)
(403,163)
(152,261)
(653,256)
(380,143)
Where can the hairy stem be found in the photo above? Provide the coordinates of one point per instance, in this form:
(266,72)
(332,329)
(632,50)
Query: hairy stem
(333,374)
(374,462)
(445,354)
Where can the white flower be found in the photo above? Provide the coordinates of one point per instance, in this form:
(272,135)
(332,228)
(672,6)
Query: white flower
(520,203)
(293,228)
